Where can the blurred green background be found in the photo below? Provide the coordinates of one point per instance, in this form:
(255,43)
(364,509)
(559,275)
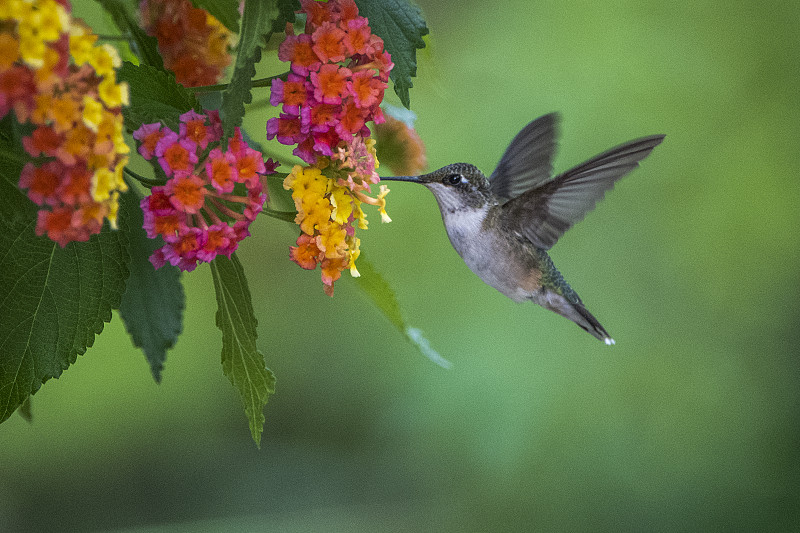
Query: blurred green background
(689,423)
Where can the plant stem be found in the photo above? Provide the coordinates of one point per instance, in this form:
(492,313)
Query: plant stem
(123,37)
(263,82)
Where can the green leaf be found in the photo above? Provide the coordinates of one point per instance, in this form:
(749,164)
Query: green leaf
(144,46)
(225,11)
(155,97)
(287,10)
(381,294)
(260,20)
(53,301)
(279,198)
(286,216)
(153,303)
(401,26)
(379,291)
(241,361)
(15,205)
(25,410)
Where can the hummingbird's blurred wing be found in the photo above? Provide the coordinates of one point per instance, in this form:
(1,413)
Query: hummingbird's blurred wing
(543,214)
(527,161)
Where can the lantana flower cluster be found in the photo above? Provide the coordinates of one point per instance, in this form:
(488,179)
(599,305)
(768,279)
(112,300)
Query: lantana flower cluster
(193,44)
(339,71)
(56,79)
(328,201)
(211,196)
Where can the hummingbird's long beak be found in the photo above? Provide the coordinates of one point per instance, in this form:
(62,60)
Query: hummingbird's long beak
(413,179)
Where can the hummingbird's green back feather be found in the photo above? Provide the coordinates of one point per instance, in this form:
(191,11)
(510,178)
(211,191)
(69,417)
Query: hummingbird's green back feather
(552,278)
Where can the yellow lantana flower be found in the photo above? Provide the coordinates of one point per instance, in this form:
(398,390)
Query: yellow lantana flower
(331,239)
(103,181)
(81,45)
(342,203)
(355,251)
(104,59)
(93,112)
(384,190)
(52,19)
(106,183)
(112,93)
(307,185)
(318,213)
(32,51)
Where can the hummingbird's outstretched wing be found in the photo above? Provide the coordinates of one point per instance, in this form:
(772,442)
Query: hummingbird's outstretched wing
(543,214)
(527,161)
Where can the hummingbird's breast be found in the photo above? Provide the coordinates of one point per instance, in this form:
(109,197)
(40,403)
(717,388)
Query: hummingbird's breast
(502,261)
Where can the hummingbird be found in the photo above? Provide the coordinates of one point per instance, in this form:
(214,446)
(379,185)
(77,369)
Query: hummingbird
(503,226)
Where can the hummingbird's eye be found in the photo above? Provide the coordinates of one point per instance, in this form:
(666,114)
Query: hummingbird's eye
(453,179)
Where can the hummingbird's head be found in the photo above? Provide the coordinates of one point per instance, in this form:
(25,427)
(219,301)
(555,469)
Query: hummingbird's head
(455,186)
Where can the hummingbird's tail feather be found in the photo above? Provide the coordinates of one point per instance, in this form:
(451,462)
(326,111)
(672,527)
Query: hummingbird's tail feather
(573,309)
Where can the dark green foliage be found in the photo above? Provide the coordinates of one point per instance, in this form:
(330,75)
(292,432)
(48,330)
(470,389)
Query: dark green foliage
(155,97)
(15,205)
(242,362)
(53,301)
(286,13)
(225,11)
(401,26)
(144,46)
(260,20)
(153,303)
(10,168)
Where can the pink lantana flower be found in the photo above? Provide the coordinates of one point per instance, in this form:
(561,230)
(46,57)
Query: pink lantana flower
(196,212)
(176,155)
(337,65)
(193,127)
(148,136)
